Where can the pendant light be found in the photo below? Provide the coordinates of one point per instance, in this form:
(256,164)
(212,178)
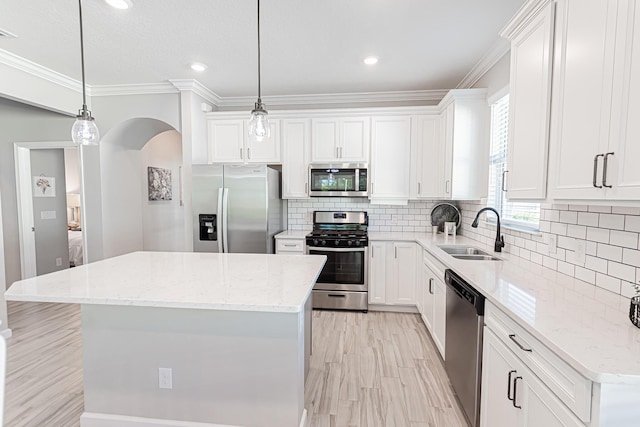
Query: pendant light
(84,130)
(259,128)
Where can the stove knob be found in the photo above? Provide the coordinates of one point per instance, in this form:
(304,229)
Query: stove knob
(323,242)
(315,242)
(350,242)
(357,242)
(336,242)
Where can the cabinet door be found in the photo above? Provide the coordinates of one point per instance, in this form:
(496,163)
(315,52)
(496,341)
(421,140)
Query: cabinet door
(447,123)
(325,135)
(390,157)
(425,134)
(295,159)
(540,407)
(267,151)
(226,141)
(354,139)
(498,372)
(428,303)
(377,272)
(582,90)
(403,285)
(529,107)
(624,173)
(439,314)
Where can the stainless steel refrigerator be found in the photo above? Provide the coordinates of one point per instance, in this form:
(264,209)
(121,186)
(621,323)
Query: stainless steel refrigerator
(236,208)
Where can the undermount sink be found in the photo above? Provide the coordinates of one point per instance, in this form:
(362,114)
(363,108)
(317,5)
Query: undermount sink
(468,253)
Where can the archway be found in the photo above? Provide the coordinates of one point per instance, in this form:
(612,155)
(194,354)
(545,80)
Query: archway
(130,222)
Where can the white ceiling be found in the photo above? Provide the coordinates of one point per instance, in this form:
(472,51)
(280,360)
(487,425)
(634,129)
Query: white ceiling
(308,46)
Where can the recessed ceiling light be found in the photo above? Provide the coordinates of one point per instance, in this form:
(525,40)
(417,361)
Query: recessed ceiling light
(199,67)
(119,4)
(370,60)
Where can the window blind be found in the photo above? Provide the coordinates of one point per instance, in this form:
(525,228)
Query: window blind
(519,214)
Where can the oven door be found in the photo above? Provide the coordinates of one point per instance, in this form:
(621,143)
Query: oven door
(345,269)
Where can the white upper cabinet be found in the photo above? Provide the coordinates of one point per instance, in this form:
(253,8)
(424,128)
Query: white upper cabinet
(596,101)
(390,157)
(465,129)
(340,140)
(427,166)
(531,39)
(295,158)
(226,141)
(229,143)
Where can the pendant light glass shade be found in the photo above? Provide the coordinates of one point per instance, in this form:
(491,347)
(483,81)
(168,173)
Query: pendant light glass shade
(84,130)
(259,128)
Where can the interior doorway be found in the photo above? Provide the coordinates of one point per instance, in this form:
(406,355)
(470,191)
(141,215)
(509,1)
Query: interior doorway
(50,208)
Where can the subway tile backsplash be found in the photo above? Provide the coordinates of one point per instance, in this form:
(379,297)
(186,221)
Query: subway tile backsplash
(608,237)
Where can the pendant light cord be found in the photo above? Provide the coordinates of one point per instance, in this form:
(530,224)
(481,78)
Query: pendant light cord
(259,92)
(84,94)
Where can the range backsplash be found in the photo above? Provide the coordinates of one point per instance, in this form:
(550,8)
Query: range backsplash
(610,234)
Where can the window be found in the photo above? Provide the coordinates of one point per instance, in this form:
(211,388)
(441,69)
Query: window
(517,214)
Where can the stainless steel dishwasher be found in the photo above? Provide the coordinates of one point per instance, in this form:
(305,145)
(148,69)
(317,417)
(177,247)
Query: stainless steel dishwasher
(463,343)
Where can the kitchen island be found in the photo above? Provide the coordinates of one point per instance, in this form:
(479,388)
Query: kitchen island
(189,339)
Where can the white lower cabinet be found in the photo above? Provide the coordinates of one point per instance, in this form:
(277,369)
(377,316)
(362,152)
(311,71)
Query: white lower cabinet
(392,273)
(513,396)
(290,246)
(433,307)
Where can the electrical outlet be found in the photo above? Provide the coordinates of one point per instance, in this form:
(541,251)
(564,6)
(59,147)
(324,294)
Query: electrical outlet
(552,243)
(58,262)
(165,378)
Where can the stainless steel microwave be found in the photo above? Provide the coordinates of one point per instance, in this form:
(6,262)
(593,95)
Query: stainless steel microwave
(338,180)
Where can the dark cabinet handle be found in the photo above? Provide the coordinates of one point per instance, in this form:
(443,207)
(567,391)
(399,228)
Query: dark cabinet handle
(604,170)
(431,285)
(523,348)
(515,393)
(595,170)
(509,386)
(337,296)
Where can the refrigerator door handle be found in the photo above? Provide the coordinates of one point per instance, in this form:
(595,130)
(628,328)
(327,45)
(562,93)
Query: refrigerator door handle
(225,217)
(219,220)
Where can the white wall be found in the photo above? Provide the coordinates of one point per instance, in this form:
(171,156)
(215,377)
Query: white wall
(21,123)
(72,170)
(163,220)
(497,77)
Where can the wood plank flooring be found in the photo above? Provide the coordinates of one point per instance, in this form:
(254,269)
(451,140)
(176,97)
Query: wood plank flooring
(377,369)
(367,370)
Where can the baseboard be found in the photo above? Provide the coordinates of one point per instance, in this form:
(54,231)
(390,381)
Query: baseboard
(6,333)
(394,308)
(93,419)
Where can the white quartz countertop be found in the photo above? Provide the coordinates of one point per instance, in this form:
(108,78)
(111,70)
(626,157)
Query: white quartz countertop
(242,282)
(292,234)
(585,325)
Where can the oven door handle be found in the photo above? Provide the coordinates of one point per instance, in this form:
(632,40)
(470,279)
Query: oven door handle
(323,249)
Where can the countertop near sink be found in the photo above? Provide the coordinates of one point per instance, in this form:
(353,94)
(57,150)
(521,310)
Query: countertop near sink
(585,325)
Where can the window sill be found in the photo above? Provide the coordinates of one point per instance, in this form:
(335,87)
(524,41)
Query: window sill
(513,227)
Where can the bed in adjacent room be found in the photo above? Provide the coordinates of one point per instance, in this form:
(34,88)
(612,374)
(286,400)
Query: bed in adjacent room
(75,247)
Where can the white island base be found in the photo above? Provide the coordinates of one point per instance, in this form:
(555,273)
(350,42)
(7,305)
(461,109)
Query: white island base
(229,368)
(234,329)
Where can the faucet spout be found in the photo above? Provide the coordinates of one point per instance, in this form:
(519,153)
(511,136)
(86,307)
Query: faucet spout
(499,244)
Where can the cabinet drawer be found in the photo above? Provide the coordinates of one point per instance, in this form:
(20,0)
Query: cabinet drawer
(289,245)
(568,384)
(434,265)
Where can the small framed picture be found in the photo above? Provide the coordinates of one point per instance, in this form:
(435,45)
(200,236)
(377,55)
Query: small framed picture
(159,183)
(44,186)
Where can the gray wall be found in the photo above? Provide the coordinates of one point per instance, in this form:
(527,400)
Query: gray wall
(51,233)
(21,123)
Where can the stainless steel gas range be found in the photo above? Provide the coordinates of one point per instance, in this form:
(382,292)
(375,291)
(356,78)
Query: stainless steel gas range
(344,280)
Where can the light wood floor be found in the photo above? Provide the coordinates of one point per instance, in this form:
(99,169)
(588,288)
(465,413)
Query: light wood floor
(367,370)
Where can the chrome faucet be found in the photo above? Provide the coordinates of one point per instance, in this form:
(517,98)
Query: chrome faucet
(499,239)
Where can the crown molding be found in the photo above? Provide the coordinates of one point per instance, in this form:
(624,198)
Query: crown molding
(523,16)
(38,70)
(131,89)
(199,89)
(430,96)
(491,58)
